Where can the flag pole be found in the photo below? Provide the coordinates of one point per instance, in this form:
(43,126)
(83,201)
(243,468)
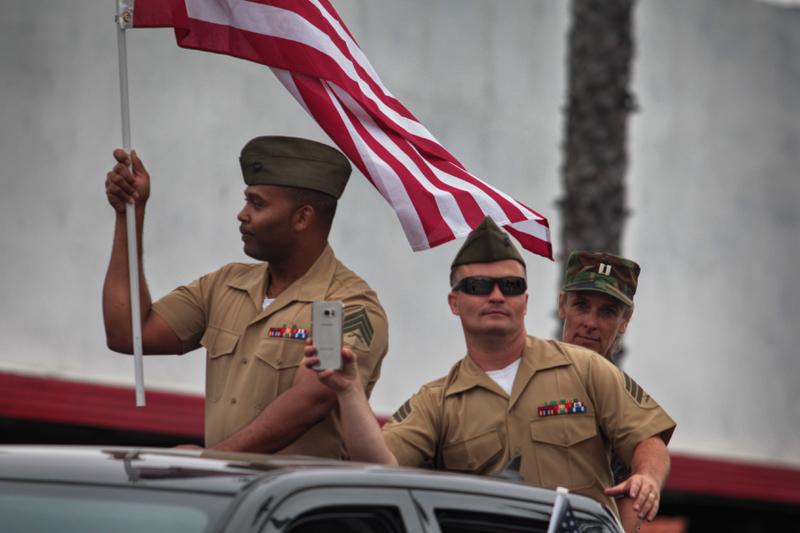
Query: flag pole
(124,20)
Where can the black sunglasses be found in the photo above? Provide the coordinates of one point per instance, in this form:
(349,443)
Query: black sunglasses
(483,285)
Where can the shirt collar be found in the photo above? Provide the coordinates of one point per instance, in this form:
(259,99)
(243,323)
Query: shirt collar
(314,283)
(252,281)
(467,375)
(309,287)
(537,355)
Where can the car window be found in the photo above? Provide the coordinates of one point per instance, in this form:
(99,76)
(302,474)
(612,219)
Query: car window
(343,510)
(470,513)
(74,508)
(471,522)
(349,519)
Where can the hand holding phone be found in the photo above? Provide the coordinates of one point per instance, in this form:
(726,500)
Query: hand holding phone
(326,332)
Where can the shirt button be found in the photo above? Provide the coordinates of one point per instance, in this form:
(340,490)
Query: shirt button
(233,400)
(244,361)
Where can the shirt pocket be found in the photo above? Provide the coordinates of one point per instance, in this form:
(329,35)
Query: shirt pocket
(567,451)
(277,360)
(473,454)
(220,345)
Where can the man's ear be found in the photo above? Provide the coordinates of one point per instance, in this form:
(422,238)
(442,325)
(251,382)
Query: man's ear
(562,305)
(451,301)
(303,217)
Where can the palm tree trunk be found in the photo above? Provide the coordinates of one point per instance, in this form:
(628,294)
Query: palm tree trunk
(593,207)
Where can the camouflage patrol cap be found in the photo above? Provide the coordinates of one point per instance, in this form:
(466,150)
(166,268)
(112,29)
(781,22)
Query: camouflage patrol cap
(486,244)
(602,272)
(294,162)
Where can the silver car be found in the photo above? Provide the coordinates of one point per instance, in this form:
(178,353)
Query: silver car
(125,490)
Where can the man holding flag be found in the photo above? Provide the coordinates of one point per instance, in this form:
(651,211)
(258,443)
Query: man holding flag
(313,54)
(253,319)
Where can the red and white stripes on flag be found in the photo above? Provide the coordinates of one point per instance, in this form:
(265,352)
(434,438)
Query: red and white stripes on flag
(313,54)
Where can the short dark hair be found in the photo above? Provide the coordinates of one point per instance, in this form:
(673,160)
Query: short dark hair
(324,205)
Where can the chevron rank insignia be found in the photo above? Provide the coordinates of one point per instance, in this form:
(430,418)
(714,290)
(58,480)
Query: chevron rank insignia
(403,412)
(357,323)
(635,391)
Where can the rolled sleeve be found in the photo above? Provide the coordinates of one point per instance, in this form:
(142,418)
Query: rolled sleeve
(627,413)
(184,311)
(412,432)
(365,330)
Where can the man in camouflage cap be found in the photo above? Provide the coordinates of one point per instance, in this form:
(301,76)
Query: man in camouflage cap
(596,305)
(596,300)
(560,407)
(254,319)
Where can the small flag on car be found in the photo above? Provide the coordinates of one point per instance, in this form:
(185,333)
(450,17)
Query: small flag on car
(562,520)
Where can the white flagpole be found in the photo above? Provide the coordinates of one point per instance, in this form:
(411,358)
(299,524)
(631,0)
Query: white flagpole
(125,20)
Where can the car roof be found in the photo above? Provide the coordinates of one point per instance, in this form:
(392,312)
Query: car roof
(175,468)
(195,470)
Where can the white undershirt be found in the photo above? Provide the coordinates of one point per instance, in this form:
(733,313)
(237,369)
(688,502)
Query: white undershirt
(267,301)
(505,376)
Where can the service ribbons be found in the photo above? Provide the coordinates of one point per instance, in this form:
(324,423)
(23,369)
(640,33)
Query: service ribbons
(562,407)
(289,332)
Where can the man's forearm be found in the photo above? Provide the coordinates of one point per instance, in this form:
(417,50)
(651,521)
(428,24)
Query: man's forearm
(116,287)
(285,419)
(360,429)
(650,457)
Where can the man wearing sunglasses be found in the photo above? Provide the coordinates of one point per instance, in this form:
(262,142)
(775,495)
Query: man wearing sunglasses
(559,407)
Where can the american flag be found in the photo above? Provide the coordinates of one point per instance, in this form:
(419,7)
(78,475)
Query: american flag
(314,55)
(562,520)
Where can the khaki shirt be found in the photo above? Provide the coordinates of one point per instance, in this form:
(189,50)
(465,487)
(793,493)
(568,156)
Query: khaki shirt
(466,422)
(253,354)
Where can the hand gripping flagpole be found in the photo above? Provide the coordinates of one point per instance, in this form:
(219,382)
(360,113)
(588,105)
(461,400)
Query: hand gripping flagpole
(124,20)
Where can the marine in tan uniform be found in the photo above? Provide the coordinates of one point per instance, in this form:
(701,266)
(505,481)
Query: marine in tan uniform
(560,407)
(596,306)
(254,319)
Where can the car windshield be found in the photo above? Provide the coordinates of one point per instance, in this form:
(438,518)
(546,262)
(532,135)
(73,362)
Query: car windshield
(68,508)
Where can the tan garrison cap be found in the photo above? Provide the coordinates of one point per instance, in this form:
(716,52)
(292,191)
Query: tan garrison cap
(602,272)
(486,244)
(295,162)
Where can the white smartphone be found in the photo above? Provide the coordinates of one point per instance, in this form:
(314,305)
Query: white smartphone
(326,332)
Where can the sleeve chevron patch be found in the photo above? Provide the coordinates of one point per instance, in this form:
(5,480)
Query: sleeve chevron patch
(403,412)
(357,323)
(636,392)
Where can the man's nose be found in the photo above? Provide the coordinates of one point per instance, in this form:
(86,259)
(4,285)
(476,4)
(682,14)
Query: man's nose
(590,320)
(496,295)
(240,216)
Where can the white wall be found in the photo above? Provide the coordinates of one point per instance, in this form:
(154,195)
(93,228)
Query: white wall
(713,189)
(715,186)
